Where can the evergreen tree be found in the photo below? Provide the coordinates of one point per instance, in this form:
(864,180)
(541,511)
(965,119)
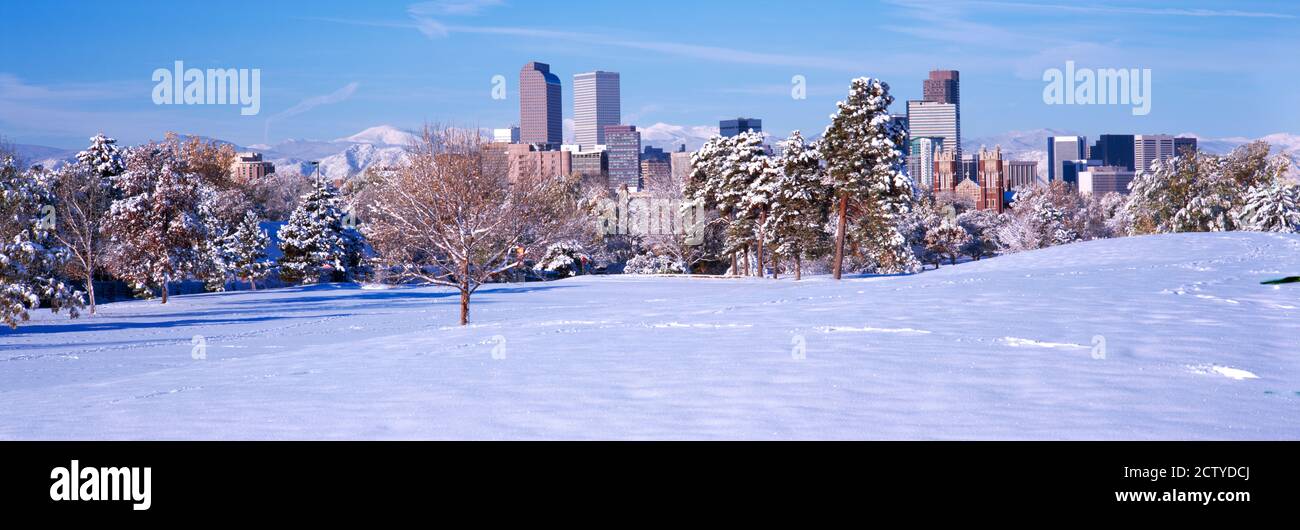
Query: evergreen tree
(157,226)
(863,150)
(83,193)
(796,224)
(30,258)
(1273,207)
(947,239)
(313,241)
(245,250)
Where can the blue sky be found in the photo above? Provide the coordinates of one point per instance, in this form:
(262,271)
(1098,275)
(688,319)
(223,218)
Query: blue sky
(332,68)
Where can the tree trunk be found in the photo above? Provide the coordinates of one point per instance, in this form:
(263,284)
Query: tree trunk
(90,288)
(252,283)
(734,264)
(164,289)
(761,243)
(839,236)
(464,292)
(798,273)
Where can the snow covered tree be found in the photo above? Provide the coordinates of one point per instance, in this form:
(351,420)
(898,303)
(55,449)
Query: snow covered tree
(734,176)
(652,264)
(245,250)
(157,225)
(1273,207)
(863,150)
(1039,218)
(565,258)
(800,204)
(1199,192)
(313,243)
(30,258)
(83,193)
(450,217)
(982,226)
(947,239)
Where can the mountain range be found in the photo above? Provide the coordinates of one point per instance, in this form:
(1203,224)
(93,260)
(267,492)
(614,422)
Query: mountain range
(385,145)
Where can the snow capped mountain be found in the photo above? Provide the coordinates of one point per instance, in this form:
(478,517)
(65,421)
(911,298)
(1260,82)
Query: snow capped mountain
(1017,145)
(382,135)
(358,157)
(667,136)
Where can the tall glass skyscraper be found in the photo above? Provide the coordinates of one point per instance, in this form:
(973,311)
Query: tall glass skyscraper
(595,105)
(540,113)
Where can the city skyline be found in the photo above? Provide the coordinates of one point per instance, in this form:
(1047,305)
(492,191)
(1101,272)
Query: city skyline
(343,67)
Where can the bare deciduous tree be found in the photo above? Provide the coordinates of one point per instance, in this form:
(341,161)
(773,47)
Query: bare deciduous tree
(451,215)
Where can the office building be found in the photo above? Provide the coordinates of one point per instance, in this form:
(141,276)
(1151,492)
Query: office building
(1071,169)
(530,161)
(509,135)
(541,119)
(1020,173)
(1105,179)
(1062,149)
(1183,145)
(595,105)
(1113,150)
(921,160)
(943,86)
(729,128)
(1151,148)
(623,148)
(681,166)
(933,119)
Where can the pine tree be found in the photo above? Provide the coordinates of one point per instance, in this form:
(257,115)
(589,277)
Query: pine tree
(1273,207)
(30,258)
(313,241)
(863,150)
(795,226)
(732,176)
(565,258)
(84,192)
(157,226)
(245,250)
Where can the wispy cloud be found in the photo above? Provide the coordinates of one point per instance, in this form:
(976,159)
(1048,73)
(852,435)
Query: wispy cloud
(452,7)
(1139,10)
(305,105)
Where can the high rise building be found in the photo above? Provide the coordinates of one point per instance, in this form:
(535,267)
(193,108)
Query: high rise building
(1150,148)
(944,86)
(921,151)
(1061,149)
(681,166)
(509,135)
(595,105)
(592,164)
(729,128)
(1182,144)
(1113,150)
(933,119)
(541,119)
(623,149)
(1105,179)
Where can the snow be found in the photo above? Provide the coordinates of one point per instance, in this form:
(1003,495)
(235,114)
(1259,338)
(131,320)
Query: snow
(383,135)
(1001,348)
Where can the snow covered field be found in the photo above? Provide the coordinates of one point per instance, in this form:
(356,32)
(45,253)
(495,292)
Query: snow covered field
(1194,348)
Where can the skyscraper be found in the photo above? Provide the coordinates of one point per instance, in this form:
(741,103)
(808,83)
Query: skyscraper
(1114,150)
(541,120)
(595,105)
(1182,144)
(921,151)
(729,128)
(944,86)
(1149,148)
(933,119)
(1062,149)
(623,150)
